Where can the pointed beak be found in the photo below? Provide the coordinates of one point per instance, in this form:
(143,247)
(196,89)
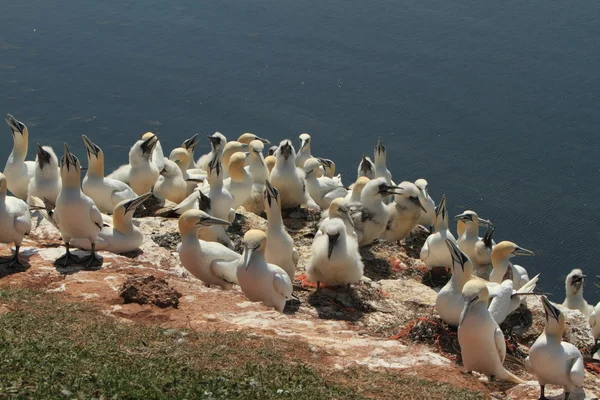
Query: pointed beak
(247,256)
(365,165)
(487,237)
(270,192)
(43,156)
(418,203)
(132,204)
(458,257)
(303,143)
(463,217)
(388,190)
(286,150)
(14,125)
(214,140)
(148,145)
(485,222)
(212,221)
(345,215)
(380,148)
(519,251)
(90,146)
(68,157)
(191,142)
(550,310)
(441,208)
(332,240)
(265,141)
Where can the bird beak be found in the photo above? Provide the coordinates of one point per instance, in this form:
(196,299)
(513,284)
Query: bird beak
(365,165)
(132,204)
(191,142)
(286,150)
(43,156)
(14,125)
(90,146)
(204,202)
(464,217)
(214,140)
(211,221)
(577,280)
(380,148)
(345,214)
(440,210)
(418,203)
(149,144)
(265,141)
(487,237)
(247,256)
(332,240)
(485,222)
(324,162)
(68,157)
(523,252)
(549,309)
(303,143)
(163,171)
(270,192)
(388,190)
(458,257)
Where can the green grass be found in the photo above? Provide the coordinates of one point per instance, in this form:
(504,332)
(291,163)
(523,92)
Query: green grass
(51,348)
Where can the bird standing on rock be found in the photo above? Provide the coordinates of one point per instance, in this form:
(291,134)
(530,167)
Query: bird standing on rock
(15,220)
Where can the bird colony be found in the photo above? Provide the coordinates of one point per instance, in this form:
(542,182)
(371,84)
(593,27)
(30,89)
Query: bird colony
(96,214)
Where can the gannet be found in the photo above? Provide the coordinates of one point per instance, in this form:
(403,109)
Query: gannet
(212,263)
(381,170)
(122,236)
(504,269)
(217,143)
(45,182)
(18,171)
(324,189)
(141,173)
(304,151)
(460,228)
(470,236)
(105,192)
(482,344)
(157,157)
(434,252)
(503,299)
(354,195)
(260,173)
(15,220)
(190,147)
(170,184)
(482,262)
(552,361)
(248,138)
(595,322)
(239,183)
(221,202)
(280,248)
(328,169)
(259,280)
(335,259)
(370,216)
(272,150)
(366,168)
(229,150)
(76,215)
(426,219)
(404,213)
(339,208)
(574,293)
(192,176)
(289,179)
(270,162)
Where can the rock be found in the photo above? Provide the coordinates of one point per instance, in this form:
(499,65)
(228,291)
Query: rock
(149,290)
(168,240)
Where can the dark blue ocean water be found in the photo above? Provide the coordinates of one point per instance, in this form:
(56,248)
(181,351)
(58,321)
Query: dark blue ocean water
(497,104)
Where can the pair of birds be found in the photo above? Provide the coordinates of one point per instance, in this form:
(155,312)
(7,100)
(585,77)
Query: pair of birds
(574,300)
(483,348)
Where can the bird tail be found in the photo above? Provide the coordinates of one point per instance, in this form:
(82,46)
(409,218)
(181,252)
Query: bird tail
(509,377)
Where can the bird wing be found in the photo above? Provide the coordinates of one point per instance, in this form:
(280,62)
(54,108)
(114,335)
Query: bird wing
(500,344)
(120,190)
(96,217)
(188,203)
(528,287)
(593,319)
(22,223)
(158,157)
(121,173)
(283,285)
(424,251)
(296,257)
(225,269)
(528,365)
(500,301)
(577,369)
(339,191)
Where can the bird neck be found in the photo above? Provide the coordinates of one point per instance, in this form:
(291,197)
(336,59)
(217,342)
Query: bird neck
(379,160)
(237,173)
(441,224)
(20,146)
(274,219)
(70,179)
(472,230)
(574,294)
(123,223)
(553,330)
(95,166)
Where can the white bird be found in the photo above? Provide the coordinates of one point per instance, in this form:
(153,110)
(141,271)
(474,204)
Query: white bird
(356,188)
(257,167)
(270,162)
(371,215)
(217,143)
(141,173)
(553,361)
(426,219)
(339,208)
(574,293)
(192,176)
(259,280)
(503,299)
(289,179)
(595,323)
(280,248)
(248,138)
(405,212)
(504,269)
(335,259)
(434,252)
(15,220)
(212,263)
(157,157)
(483,254)
(366,168)
(170,184)
(17,170)
(328,169)
(122,236)
(105,192)
(468,240)
(239,183)
(381,170)
(324,189)
(482,344)
(45,182)
(190,146)
(304,151)
(76,215)
(228,151)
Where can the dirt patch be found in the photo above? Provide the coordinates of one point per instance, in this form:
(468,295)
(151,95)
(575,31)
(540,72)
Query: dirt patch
(149,290)
(168,240)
